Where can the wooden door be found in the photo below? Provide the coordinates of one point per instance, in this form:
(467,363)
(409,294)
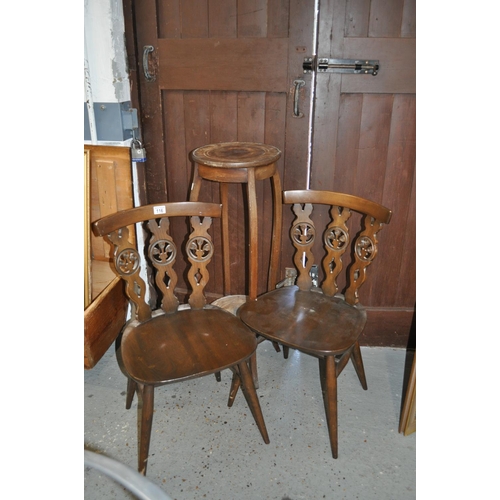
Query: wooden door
(225,70)
(364,143)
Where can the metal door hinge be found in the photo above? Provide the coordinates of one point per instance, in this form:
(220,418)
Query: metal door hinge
(352,66)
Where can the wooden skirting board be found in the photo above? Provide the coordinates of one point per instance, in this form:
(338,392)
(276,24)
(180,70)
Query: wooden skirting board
(388,327)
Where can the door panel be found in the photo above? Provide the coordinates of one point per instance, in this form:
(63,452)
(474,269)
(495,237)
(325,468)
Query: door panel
(223,64)
(397,71)
(196,117)
(364,141)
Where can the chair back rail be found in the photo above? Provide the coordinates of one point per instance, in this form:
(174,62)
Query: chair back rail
(338,238)
(161,252)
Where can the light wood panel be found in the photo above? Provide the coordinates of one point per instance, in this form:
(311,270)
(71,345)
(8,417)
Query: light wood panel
(110,191)
(110,188)
(103,321)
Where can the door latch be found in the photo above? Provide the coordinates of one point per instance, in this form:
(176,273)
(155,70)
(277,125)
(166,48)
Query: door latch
(297,84)
(348,66)
(148,49)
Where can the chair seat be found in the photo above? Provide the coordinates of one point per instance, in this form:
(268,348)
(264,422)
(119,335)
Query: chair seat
(183,345)
(328,326)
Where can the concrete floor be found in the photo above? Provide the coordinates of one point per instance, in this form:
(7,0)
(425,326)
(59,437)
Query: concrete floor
(201,449)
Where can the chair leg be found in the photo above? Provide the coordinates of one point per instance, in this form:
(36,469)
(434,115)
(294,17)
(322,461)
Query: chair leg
(146,422)
(357,361)
(226,261)
(330,395)
(286,349)
(252,399)
(217,377)
(273,276)
(131,388)
(235,385)
(236,381)
(253,369)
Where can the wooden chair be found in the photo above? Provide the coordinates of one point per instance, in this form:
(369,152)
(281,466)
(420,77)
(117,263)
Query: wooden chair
(174,342)
(322,321)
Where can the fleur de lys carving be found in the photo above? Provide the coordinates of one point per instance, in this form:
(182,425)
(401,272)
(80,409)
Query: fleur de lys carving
(303,233)
(336,238)
(200,249)
(162,252)
(365,248)
(127,261)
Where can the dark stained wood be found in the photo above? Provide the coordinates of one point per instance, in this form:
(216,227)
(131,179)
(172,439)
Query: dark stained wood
(399,252)
(349,131)
(326,326)
(223,19)
(324,321)
(151,103)
(168,343)
(373,146)
(387,327)
(223,128)
(364,206)
(275,115)
(133,68)
(205,116)
(193,16)
(408,24)
(244,163)
(385,18)
(397,73)
(357,17)
(252,18)
(223,64)
(364,143)
(125,218)
(406,288)
(278,15)
(330,394)
(296,152)
(236,155)
(346,108)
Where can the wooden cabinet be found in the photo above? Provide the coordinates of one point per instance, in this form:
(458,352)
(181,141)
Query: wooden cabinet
(108,189)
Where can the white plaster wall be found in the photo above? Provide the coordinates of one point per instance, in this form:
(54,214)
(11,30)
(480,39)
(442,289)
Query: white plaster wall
(105,51)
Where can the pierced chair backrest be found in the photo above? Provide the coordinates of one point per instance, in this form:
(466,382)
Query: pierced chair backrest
(161,252)
(338,238)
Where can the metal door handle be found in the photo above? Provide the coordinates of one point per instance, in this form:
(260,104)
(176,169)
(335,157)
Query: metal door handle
(296,92)
(145,63)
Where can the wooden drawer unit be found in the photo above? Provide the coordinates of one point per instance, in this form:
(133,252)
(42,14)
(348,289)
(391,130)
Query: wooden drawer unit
(108,189)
